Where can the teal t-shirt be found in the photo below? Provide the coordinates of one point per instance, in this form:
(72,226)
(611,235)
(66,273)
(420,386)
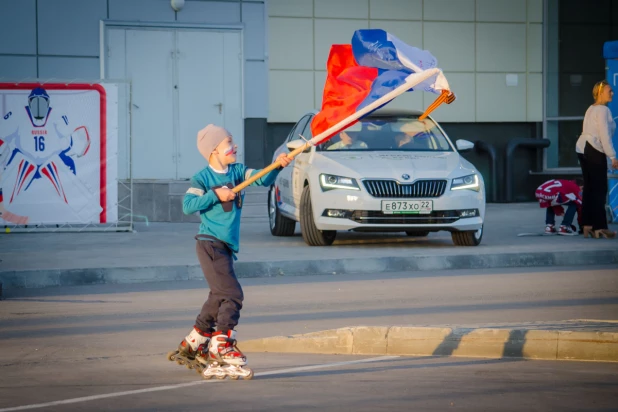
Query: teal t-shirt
(217,222)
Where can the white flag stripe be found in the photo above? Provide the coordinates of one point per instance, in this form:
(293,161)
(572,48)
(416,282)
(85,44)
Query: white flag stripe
(406,53)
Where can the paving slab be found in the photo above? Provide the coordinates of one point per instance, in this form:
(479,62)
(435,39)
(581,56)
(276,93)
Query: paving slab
(166,251)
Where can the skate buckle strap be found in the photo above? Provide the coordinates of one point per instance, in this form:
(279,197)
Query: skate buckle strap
(231,351)
(226,350)
(206,334)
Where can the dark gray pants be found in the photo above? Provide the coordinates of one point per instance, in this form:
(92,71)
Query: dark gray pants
(222,308)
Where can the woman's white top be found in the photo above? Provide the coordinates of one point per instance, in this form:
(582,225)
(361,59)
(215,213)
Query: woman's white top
(599,127)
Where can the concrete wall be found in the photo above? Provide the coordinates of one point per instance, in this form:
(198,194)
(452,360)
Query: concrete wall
(477,43)
(60,39)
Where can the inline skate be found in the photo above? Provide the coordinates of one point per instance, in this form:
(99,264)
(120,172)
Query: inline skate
(224,358)
(192,352)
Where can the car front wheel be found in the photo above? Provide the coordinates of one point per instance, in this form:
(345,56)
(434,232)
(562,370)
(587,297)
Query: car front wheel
(279,224)
(467,238)
(311,234)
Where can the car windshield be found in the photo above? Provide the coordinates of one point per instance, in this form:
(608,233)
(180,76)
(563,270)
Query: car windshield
(390,133)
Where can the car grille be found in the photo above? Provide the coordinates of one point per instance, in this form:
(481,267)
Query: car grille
(394,189)
(433,218)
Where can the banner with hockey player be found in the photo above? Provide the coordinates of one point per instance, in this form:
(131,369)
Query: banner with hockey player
(58,146)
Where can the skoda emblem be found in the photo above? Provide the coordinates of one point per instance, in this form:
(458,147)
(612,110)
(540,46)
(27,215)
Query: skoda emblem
(405,176)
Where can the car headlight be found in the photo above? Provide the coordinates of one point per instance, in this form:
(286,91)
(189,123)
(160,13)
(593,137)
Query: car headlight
(330,182)
(470,182)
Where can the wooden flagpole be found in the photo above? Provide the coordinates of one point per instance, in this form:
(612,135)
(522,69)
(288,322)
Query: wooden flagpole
(411,81)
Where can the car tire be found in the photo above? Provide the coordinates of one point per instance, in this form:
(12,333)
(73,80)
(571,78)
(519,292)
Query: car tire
(311,234)
(279,224)
(468,237)
(417,234)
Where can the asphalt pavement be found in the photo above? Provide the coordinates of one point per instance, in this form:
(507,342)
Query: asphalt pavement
(102,347)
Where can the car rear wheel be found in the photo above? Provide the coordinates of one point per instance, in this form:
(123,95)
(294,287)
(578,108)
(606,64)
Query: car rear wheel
(311,234)
(279,224)
(467,238)
(417,234)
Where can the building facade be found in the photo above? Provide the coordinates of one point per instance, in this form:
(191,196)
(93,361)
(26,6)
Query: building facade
(520,69)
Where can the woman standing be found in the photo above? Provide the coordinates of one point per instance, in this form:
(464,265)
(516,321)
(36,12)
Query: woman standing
(593,148)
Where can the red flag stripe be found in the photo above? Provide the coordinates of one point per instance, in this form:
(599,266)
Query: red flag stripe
(347,85)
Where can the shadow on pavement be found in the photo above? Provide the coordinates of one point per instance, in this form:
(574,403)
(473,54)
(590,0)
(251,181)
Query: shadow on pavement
(166,319)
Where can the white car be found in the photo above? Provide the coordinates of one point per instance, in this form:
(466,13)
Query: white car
(388,173)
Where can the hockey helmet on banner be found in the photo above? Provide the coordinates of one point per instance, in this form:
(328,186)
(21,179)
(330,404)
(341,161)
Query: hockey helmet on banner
(38,102)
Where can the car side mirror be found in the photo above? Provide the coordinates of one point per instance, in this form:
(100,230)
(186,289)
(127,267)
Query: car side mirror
(464,145)
(295,144)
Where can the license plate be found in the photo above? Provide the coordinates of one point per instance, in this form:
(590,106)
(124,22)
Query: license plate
(407,207)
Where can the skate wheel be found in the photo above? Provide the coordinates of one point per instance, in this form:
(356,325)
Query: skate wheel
(221,377)
(189,366)
(207,377)
(234,377)
(249,376)
(170,356)
(199,371)
(180,362)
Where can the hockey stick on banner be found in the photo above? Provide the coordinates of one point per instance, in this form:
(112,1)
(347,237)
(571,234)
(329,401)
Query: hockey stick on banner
(411,81)
(8,216)
(12,217)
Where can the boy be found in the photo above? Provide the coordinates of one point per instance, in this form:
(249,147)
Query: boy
(219,207)
(554,194)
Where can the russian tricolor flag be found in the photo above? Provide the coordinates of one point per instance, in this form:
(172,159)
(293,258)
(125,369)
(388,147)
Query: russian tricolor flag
(369,73)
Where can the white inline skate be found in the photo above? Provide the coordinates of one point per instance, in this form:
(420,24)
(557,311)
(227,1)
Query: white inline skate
(192,352)
(225,359)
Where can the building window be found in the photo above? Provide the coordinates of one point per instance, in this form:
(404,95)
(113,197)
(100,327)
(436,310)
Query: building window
(574,34)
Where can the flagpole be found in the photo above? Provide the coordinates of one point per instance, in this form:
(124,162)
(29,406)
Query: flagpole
(411,81)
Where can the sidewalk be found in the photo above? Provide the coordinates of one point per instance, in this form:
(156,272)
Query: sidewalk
(166,251)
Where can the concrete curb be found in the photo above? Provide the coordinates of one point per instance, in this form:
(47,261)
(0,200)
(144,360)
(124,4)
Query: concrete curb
(464,342)
(119,275)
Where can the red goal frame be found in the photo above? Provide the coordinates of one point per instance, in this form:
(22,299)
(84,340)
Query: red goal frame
(103,127)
